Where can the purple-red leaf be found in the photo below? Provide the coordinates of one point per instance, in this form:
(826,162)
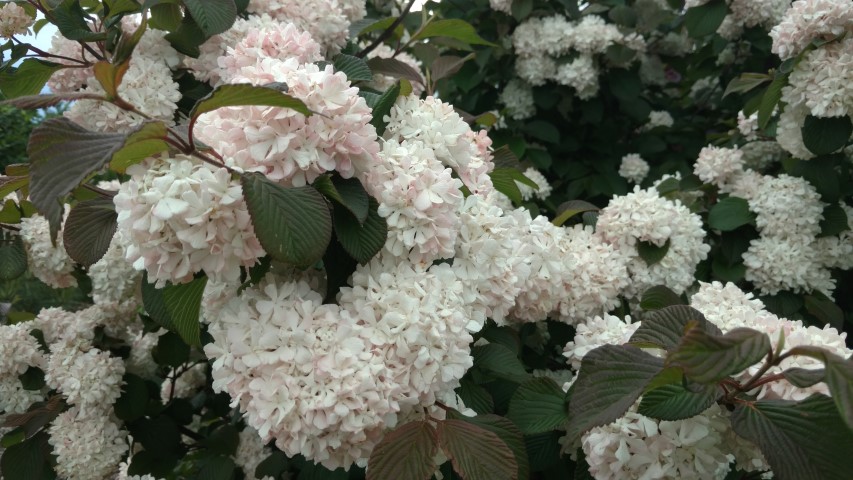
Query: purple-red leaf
(406,452)
(476,453)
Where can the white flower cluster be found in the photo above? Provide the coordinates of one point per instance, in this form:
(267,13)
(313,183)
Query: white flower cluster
(186,385)
(87,447)
(748,126)
(539,41)
(14,20)
(327,21)
(660,118)
(807,20)
(745,14)
(251,451)
(113,278)
(761,154)
(501,5)
(518,98)
(529,193)
(89,378)
(285,145)
(633,168)
(645,216)
(182,217)
(18,352)
(47,262)
(718,165)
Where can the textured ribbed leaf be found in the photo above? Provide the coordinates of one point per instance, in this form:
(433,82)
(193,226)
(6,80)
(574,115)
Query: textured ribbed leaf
(745,83)
(361,240)
(446,65)
(348,192)
(770,99)
(569,209)
(62,154)
(705,19)
(803,377)
(729,214)
(452,28)
(838,375)
(110,76)
(13,258)
(674,402)
(804,440)
(824,309)
(34,102)
(834,221)
(500,361)
(28,78)
(37,416)
(651,253)
(509,434)
(294,225)
(354,68)
(475,397)
(504,181)
(395,68)
(12,183)
(89,229)
(213,16)
(707,358)
(381,106)
(826,135)
(176,307)
(245,94)
(29,460)
(663,328)
(405,452)
(659,297)
(538,405)
(610,380)
(476,453)
(216,467)
(146,141)
(503,157)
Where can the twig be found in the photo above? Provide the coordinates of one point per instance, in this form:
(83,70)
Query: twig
(387,33)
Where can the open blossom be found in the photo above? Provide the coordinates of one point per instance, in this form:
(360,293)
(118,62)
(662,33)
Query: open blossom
(786,206)
(14,20)
(327,21)
(285,145)
(644,216)
(718,165)
(528,192)
(274,41)
(659,119)
(183,217)
(633,168)
(19,350)
(49,263)
(809,20)
(87,446)
(419,199)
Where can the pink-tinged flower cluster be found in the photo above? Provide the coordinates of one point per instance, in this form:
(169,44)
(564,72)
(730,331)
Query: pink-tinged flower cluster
(14,20)
(823,80)
(287,146)
(275,41)
(383,82)
(419,199)
(645,216)
(87,446)
(89,378)
(439,128)
(327,21)
(809,20)
(182,217)
(49,263)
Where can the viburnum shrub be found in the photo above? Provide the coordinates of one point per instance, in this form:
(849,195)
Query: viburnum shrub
(500,239)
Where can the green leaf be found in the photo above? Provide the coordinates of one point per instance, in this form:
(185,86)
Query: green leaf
(705,19)
(62,154)
(395,68)
(171,350)
(521,9)
(133,400)
(509,434)
(176,307)
(272,466)
(500,361)
(838,376)
(13,258)
(824,309)
(664,327)
(35,102)
(770,99)
(729,214)
(675,402)
(823,136)
(543,131)
(452,28)
(223,441)
(476,453)
(503,180)
(89,229)
(361,240)
(834,221)
(28,78)
(294,225)
(803,377)
(146,141)
(405,452)
(347,192)
(623,15)
(569,209)
(745,83)
(651,253)
(447,65)
(36,417)
(381,106)
(659,297)
(804,440)
(29,460)
(611,379)
(166,16)
(242,95)
(32,379)
(538,406)
(217,467)
(109,76)
(213,16)
(475,397)
(707,358)
(356,69)
(187,38)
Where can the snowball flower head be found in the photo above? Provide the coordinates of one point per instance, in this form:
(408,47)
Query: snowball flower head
(19,351)
(88,378)
(183,217)
(49,263)
(87,447)
(113,277)
(633,168)
(809,20)
(275,41)
(786,263)
(327,21)
(518,98)
(718,165)
(14,20)
(544,188)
